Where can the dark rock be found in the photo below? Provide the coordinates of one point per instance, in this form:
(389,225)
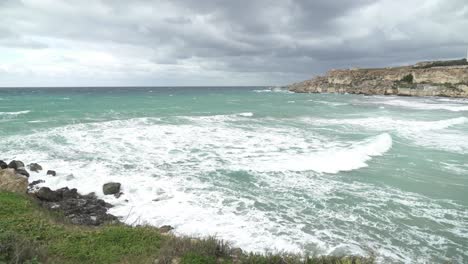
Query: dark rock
(111,188)
(16,164)
(35,167)
(117,195)
(3,165)
(46,194)
(51,172)
(22,172)
(68,193)
(34,183)
(165,228)
(79,209)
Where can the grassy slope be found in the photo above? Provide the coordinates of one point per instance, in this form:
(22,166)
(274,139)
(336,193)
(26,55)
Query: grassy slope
(29,234)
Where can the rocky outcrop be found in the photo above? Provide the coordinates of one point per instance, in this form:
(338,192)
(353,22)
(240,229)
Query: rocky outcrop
(11,181)
(418,80)
(79,209)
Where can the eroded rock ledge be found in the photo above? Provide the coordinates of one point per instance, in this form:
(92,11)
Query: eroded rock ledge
(442,78)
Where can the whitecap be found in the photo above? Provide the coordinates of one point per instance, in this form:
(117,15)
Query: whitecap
(332,160)
(246,114)
(428,105)
(15,113)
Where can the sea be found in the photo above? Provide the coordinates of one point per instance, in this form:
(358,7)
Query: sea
(263,168)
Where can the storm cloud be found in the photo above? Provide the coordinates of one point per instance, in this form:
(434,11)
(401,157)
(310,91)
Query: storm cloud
(218,42)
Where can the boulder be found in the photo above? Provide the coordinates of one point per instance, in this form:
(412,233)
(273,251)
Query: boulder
(51,172)
(3,165)
(16,164)
(111,188)
(22,172)
(46,194)
(35,167)
(12,182)
(79,209)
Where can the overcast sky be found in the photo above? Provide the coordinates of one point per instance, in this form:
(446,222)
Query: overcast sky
(218,42)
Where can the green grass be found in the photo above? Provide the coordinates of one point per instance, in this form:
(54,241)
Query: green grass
(30,234)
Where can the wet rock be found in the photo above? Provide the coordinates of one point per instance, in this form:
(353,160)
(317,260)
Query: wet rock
(10,181)
(3,165)
(34,167)
(79,209)
(34,183)
(117,195)
(32,187)
(111,188)
(22,172)
(51,172)
(16,164)
(46,194)
(68,193)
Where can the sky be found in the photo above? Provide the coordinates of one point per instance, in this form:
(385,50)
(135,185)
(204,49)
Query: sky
(218,42)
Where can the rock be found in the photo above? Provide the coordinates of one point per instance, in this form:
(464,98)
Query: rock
(68,193)
(79,209)
(51,172)
(111,188)
(12,182)
(46,194)
(3,165)
(69,177)
(165,228)
(34,167)
(16,164)
(32,187)
(22,172)
(117,195)
(34,183)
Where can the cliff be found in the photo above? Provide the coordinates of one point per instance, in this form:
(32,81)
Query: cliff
(440,78)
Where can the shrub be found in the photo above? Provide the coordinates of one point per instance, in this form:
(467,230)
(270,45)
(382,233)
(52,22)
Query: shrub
(408,78)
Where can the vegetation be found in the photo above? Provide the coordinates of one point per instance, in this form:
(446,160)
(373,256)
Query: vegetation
(408,78)
(444,63)
(29,234)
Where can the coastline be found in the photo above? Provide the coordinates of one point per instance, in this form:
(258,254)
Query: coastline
(40,225)
(422,79)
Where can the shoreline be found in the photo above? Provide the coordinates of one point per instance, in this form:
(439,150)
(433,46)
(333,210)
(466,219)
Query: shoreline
(421,80)
(70,211)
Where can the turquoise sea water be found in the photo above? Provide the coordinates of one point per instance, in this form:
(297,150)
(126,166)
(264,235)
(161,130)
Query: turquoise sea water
(264,169)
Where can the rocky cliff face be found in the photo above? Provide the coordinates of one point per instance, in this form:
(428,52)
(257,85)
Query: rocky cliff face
(450,81)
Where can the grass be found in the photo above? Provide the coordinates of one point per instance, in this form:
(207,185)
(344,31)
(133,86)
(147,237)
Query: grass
(447,63)
(30,234)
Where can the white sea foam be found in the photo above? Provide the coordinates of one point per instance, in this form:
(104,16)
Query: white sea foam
(427,105)
(434,134)
(331,103)
(247,114)
(272,90)
(351,157)
(14,113)
(261,187)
